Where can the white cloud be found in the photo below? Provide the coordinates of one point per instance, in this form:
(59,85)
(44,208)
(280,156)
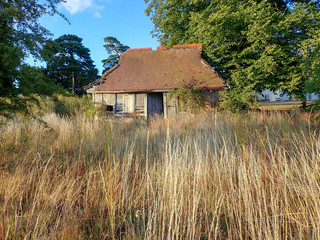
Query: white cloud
(74,6)
(97,15)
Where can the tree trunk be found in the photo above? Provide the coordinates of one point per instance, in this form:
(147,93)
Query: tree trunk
(73,83)
(304,104)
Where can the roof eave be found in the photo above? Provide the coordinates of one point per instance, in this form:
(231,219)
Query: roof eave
(148,91)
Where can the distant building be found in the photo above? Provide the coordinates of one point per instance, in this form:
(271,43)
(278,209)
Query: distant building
(140,83)
(277,96)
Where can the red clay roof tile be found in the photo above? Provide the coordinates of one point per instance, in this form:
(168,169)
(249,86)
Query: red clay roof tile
(145,70)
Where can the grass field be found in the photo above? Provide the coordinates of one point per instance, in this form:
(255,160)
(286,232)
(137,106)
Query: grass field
(282,106)
(212,176)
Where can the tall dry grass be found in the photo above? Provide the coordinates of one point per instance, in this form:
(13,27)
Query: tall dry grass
(213,176)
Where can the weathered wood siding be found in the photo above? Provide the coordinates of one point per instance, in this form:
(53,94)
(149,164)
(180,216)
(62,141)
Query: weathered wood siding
(123,103)
(170,106)
(108,99)
(129,103)
(140,104)
(147,104)
(97,98)
(119,108)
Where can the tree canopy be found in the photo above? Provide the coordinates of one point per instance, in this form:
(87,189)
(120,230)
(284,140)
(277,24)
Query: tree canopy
(253,44)
(114,49)
(66,59)
(35,80)
(20,35)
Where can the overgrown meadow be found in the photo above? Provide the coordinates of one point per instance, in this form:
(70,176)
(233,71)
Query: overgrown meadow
(74,173)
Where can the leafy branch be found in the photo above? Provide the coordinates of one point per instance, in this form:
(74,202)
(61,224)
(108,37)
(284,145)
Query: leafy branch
(188,97)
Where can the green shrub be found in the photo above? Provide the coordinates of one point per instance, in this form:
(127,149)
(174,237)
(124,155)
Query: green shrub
(72,105)
(236,100)
(189,98)
(314,106)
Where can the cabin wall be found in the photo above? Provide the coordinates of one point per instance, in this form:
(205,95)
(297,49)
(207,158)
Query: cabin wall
(140,104)
(210,99)
(108,99)
(147,104)
(120,103)
(170,106)
(97,98)
(130,103)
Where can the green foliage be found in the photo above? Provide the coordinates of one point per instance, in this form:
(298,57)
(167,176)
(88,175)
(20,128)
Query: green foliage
(67,57)
(20,35)
(310,47)
(315,106)
(35,107)
(114,49)
(9,106)
(254,45)
(236,100)
(27,108)
(9,62)
(45,104)
(188,98)
(73,105)
(33,80)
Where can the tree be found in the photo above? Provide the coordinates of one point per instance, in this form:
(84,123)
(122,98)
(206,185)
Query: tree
(33,80)
(20,35)
(114,49)
(253,44)
(310,46)
(68,61)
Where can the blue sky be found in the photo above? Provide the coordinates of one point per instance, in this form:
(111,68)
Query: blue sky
(92,20)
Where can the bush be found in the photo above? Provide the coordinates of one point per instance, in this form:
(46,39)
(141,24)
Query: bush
(36,106)
(236,100)
(189,98)
(72,105)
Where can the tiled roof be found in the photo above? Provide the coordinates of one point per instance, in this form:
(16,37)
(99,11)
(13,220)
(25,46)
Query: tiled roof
(143,70)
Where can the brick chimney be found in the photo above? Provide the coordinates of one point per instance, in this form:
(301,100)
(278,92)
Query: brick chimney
(162,48)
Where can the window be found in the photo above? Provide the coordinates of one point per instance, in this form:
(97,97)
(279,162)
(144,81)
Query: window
(109,108)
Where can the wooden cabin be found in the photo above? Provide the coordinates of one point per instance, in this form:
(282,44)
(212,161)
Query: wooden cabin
(139,84)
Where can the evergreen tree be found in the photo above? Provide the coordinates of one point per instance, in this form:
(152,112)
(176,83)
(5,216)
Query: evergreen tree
(114,49)
(68,60)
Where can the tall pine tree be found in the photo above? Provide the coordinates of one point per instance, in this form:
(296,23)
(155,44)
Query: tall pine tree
(114,48)
(68,60)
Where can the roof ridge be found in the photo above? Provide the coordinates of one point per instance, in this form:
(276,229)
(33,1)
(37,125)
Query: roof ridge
(100,79)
